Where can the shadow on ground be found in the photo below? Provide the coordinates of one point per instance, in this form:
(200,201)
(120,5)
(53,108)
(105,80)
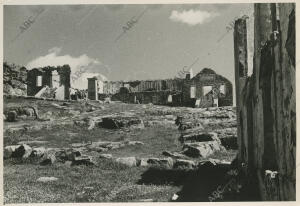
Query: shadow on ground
(198,185)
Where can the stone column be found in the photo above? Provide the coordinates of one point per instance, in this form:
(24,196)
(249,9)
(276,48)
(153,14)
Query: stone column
(92,89)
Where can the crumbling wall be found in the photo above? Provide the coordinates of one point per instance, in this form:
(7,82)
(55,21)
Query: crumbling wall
(208,77)
(113,87)
(266,101)
(146,97)
(46,75)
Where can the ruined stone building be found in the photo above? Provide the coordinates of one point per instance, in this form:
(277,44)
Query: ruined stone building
(206,89)
(51,82)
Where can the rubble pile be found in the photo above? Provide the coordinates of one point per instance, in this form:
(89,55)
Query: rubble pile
(48,156)
(14,79)
(220,120)
(12,114)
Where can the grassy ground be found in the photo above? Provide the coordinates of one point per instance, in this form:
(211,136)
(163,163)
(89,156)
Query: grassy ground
(109,181)
(106,182)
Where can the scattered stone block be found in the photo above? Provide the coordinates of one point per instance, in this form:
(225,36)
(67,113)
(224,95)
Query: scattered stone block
(38,152)
(199,137)
(106,156)
(49,157)
(201,149)
(173,154)
(184,164)
(12,116)
(9,150)
(143,162)
(134,143)
(117,122)
(165,162)
(47,179)
(129,161)
(83,160)
(24,151)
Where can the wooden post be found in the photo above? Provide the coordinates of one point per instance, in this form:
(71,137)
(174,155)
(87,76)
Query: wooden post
(241,69)
(284,51)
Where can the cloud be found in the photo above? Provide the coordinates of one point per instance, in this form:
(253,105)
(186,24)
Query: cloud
(83,65)
(192,17)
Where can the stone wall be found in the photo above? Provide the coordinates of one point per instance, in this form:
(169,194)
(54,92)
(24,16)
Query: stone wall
(113,87)
(207,78)
(180,89)
(266,101)
(146,97)
(46,76)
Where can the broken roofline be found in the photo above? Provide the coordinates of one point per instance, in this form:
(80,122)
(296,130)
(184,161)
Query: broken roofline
(203,72)
(65,67)
(148,80)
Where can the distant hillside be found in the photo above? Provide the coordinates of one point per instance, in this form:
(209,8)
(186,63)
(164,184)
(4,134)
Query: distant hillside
(14,79)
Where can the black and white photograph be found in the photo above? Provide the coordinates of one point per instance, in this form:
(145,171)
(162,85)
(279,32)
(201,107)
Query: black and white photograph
(148,102)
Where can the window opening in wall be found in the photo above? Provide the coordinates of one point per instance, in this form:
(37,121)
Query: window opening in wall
(193,92)
(222,89)
(39,81)
(206,89)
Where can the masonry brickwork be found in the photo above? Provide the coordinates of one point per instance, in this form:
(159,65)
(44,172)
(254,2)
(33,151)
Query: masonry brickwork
(38,78)
(206,89)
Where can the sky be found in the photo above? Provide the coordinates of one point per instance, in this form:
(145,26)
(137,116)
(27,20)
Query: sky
(159,41)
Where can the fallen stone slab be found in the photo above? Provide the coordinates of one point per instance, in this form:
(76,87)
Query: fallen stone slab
(173,154)
(90,123)
(9,150)
(199,137)
(12,116)
(229,142)
(134,143)
(117,122)
(163,162)
(49,156)
(201,149)
(184,164)
(38,152)
(14,129)
(83,160)
(24,151)
(214,162)
(78,145)
(47,179)
(67,155)
(35,127)
(103,146)
(115,145)
(106,156)
(184,124)
(129,161)
(143,162)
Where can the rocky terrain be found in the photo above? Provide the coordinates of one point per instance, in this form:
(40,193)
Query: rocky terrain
(14,79)
(143,140)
